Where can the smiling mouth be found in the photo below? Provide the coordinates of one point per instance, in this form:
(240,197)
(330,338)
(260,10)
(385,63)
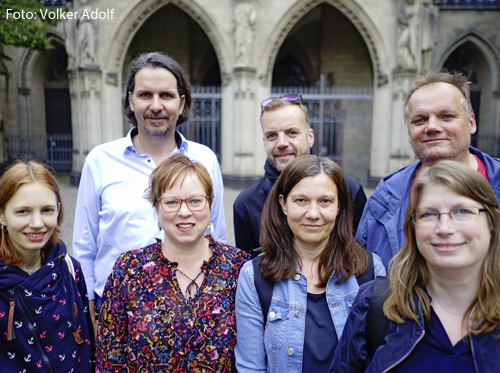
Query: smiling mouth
(447,247)
(154,117)
(35,235)
(433,140)
(185,225)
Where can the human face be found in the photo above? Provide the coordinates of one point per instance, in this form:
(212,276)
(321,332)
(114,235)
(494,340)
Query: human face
(286,135)
(30,217)
(452,245)
(184,227)
(438,127)
(311,209)
(156,102)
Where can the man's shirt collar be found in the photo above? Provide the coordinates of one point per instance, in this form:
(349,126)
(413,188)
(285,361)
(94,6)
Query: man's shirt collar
(180,140)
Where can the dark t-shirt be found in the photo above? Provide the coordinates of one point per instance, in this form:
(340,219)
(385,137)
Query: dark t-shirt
(435,353)
(320,338)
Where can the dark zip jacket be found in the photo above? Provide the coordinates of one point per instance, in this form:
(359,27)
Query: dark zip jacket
(250,202)
(352,355)
(45,321)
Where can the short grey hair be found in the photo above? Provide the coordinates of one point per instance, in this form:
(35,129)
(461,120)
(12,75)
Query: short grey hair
(456,79)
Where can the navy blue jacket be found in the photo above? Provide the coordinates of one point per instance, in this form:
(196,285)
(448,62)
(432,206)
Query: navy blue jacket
(351,354)
(250,203)
(40,310)
(381,227)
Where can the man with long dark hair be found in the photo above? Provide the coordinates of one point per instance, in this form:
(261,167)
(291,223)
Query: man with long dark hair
(111,214)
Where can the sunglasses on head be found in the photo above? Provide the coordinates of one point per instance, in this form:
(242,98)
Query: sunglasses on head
(293,97)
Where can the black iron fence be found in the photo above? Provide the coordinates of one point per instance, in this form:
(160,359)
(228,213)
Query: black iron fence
(205,123)
(56,149)
(489,144)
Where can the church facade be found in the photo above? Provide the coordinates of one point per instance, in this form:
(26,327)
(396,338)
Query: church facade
(352,61)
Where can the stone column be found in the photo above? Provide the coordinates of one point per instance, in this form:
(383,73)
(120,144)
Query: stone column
(495,112)
(240,117)
(25,111)
(239,135)
(401,153)
(85,93)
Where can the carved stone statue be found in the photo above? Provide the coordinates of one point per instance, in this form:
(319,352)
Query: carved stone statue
(86,35)
(245,17)
(429,27)
(70,41)
(405,38)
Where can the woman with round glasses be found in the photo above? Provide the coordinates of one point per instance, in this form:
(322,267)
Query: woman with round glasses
(442,302)
(169,307)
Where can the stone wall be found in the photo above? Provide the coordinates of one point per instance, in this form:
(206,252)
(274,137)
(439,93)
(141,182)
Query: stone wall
(352,42)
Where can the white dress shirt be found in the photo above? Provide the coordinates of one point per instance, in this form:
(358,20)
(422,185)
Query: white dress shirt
(111,214)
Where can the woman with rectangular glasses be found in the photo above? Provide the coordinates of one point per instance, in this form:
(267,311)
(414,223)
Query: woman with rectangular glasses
(169,307)
(442,302)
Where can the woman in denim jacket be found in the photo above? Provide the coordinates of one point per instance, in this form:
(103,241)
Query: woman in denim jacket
(444,298)
(312,260)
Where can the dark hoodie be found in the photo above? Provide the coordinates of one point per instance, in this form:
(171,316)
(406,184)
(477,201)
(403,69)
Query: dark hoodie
(45,322)
(250,202)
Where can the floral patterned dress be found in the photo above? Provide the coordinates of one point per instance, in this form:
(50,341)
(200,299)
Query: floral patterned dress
(147,325)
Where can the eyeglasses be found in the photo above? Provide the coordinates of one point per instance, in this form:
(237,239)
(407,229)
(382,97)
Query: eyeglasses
(459,215)
(294,97)
(171,204)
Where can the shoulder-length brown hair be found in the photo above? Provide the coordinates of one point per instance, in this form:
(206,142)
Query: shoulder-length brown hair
(23,172)
(408,269)
(341,254)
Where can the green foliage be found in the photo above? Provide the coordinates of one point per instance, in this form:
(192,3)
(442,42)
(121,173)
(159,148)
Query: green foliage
(26,33)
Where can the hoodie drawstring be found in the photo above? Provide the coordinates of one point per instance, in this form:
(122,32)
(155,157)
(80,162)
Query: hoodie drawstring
(10,331)
(73,307)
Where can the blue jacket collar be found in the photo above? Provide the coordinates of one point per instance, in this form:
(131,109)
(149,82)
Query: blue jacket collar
(394,189)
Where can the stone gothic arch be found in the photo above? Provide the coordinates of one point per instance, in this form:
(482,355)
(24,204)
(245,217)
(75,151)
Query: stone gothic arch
(491,54)
(138,15)
(24,83)
(353,11)
(490,127)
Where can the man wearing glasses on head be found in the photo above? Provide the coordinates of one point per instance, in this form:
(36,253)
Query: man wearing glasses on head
(287,135)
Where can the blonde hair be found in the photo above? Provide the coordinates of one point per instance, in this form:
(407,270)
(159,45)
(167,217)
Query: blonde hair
(408,269)
(456,79)
(279,102)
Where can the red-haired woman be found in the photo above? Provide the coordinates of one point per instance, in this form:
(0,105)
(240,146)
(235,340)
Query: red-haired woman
(44,320)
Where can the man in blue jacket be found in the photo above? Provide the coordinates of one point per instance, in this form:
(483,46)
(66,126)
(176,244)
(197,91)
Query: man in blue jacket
(287,135)
(440,121)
